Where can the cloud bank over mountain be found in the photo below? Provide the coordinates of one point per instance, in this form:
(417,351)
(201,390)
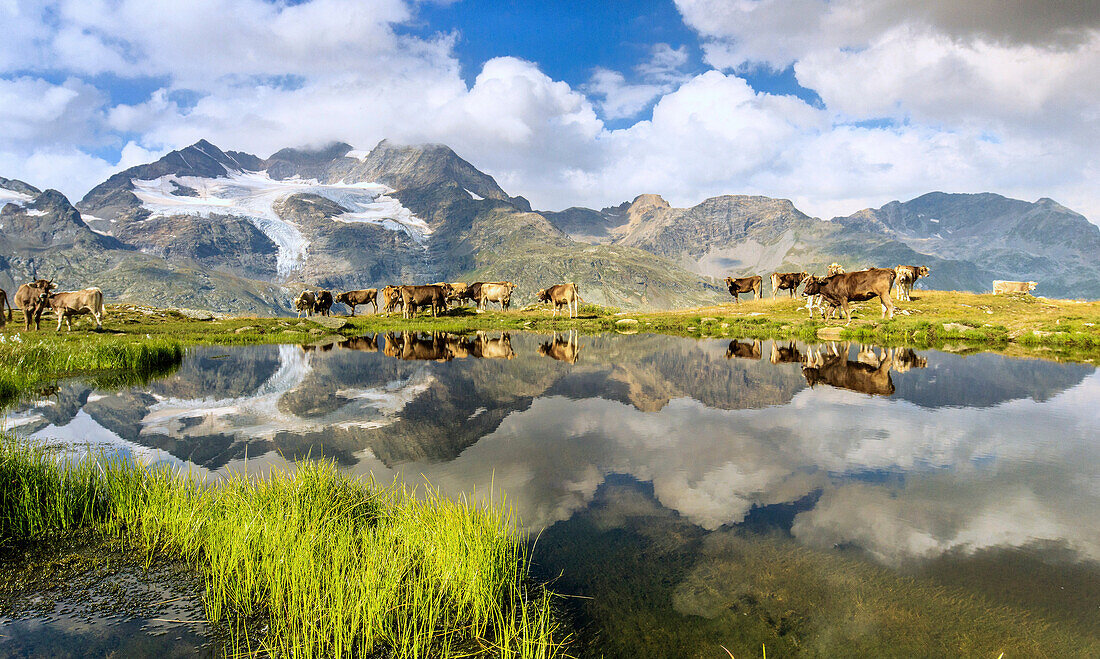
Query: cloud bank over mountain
(893,100)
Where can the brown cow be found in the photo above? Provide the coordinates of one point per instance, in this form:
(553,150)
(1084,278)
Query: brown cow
(355,298)
(458,291)
(562,349)
(4,300)
(391,299)
(840,290)
(76,303)
(744,285)
(305,302)
(815,301)
(567,295)
(744,350)
(836,370)
(907,275)
(323,305)
(788,355)
(1002,287)
(788,281)
(28,298)
(495,291)
(432,295)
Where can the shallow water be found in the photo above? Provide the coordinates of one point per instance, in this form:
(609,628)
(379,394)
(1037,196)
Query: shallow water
(692,494)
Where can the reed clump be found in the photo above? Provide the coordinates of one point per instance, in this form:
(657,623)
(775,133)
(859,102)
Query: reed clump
(335,568)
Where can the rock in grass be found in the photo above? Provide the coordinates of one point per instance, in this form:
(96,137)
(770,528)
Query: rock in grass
(242,330)
(829,333)
(956,327)
(196,314)
(626,321)
(330,322)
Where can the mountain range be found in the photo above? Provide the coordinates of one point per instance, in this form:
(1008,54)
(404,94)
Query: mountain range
(231,232)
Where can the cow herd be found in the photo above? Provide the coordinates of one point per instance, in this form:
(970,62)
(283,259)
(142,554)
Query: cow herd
(37,297)
(444,347)
(435,297)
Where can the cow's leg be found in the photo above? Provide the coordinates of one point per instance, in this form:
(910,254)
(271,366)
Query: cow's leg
(887,306)
(98,320)
(846,311)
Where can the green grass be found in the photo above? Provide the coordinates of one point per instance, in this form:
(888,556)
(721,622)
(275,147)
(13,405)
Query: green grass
(335,568)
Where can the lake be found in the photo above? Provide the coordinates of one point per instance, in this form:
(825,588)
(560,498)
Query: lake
(688,495)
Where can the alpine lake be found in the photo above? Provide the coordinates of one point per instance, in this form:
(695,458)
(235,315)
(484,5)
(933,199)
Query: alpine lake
(685,497)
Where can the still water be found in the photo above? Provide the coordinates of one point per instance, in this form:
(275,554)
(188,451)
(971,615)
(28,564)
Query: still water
(690,495)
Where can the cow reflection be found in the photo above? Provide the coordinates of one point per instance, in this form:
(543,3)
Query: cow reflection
(323,347)
(501,348)
(417,346)
(905,359)
(787,355)
(562,348)
(744,350)
(365,343)
(836,370)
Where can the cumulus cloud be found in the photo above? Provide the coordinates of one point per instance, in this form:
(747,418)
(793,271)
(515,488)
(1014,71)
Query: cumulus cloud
(658,75)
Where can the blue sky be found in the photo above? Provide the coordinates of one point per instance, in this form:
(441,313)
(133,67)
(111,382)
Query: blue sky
(835,104)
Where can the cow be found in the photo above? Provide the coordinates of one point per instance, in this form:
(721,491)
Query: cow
(1002,287)
(305,303)
(76,303)
(841,289)
(744,350)
(413,297)
(365,343)
(354,298)
(391,299)
(323,305)
(836,370)
(458,291)
(4,300)
(567,295)
(815,301)
(486,348)
(495,291)
(744,285)
(788,281)
(788,355)
(28,298)
(562,349)
(418,347)
(907,275)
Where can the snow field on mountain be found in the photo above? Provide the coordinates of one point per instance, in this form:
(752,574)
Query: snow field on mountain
(253,195)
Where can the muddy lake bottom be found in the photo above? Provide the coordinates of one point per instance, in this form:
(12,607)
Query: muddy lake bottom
(683,495)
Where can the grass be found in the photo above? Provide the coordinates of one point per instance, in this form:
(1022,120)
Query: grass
(334,567)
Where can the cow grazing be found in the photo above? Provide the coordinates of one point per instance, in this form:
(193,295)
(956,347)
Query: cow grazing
(745,285)
(4,300)
(28,298)
(1002,287)
(391,299)
(323,305)
(840,290)
(744,350)
(305,303)
(354,298)
(836,370)
(562,295)
(76,303)
(907,275)
(495,291)
(788,281)
(561,348)
(414,297)
(787,355)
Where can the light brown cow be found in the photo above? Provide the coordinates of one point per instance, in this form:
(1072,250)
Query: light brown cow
(458,291)
(29,300)
(1002,287)
(305,302)
(391,299)
(4,300)
(495,291)
(744,285)
(562,295)
(355,298)
(77,303)
(907,275)
(486,348)
(562,348)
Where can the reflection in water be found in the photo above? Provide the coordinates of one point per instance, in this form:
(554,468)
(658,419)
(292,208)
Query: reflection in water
(673,456)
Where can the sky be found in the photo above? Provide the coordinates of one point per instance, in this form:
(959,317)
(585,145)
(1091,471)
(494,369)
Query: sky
(837,105)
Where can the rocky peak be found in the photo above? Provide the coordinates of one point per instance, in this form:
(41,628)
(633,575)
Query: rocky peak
(15,185)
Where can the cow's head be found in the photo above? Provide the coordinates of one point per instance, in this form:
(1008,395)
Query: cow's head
(813,286)
(1031,285)
(448,290)
(835,268)
(729,281)
(923,271)
(342,298)
(803,276)
(543,295)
